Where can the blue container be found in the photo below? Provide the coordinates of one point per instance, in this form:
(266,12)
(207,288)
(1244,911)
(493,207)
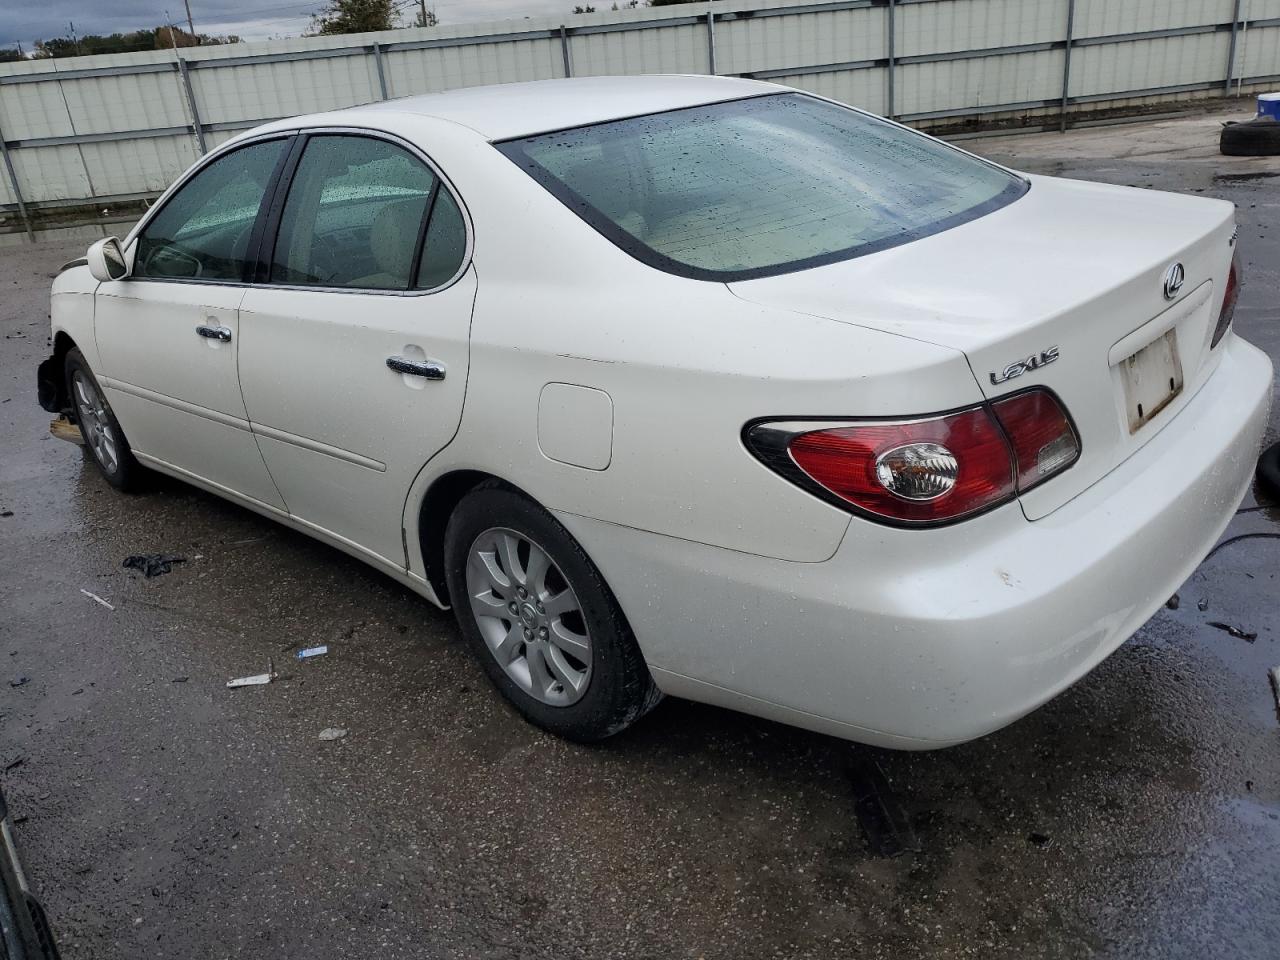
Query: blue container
(1269,105)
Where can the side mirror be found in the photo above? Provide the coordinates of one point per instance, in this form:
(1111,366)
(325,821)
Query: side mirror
(106,260)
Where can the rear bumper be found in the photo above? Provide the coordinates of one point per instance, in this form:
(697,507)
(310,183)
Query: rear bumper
(925,638)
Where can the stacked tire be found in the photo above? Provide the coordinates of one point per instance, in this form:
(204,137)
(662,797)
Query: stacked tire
(1259,137)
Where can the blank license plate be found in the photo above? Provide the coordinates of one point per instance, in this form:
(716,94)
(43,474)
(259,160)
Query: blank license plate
(1152,378)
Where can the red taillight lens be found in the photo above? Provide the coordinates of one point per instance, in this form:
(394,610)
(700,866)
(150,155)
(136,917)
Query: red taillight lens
(926,470)
(1228,302)
(917,471)
(1043,440)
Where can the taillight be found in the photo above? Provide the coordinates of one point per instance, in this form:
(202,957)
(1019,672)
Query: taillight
(920,470)
(925,470)
(1228,302)
(1043,440)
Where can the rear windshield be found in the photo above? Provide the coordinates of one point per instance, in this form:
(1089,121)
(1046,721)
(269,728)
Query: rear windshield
(763,186)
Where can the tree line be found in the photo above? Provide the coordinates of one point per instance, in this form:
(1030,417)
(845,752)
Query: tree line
(337,17)
(162,37)
(632,4)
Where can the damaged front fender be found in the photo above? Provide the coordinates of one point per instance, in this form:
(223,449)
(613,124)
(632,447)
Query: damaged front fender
(51,384)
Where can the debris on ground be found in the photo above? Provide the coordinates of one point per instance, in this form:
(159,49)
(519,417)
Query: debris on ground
(19,681)
(64,429)
(332,733)
(1173,602)
(319,651)
(152,564)
(6,513)
(1041,840)
(883,819)
(1202,605)
(1236,539)
(14,764)
(95,597)
(179,679)
(1274,676)
(1236,632)
(257,680)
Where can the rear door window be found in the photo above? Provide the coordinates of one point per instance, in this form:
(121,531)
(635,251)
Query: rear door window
(363,213)
(354,216)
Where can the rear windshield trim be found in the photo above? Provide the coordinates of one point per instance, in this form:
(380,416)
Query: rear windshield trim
(513,150)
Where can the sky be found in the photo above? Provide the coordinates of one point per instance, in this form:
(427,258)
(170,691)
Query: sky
(26,21)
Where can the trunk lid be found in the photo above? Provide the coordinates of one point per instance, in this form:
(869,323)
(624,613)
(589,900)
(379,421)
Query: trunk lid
(1075,266)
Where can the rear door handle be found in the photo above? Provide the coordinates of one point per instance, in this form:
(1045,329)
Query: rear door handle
(214,333)
(428,369)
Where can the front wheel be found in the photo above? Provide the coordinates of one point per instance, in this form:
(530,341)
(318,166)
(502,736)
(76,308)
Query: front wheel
(541,619)
(99,427)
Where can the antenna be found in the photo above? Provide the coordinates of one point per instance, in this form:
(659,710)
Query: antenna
(190,24)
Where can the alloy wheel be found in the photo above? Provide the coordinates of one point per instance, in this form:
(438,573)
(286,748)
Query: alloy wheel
(529,616)
(95,422)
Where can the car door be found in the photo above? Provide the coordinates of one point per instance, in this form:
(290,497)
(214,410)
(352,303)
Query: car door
(354,352)
(167,333)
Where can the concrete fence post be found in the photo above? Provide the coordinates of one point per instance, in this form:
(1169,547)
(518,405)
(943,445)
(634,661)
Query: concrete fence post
(196,124)
(382,75)
(1231,51)
(1066,66)
(564,51)
(711,40)
(16,187)
(891,107)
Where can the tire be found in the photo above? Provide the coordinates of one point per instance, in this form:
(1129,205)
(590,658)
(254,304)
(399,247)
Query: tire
(104,441)
(1254,138)
(581,691)
(1269,471)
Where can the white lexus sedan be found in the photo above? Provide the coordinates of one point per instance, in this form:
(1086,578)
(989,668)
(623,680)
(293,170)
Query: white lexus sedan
(691,386)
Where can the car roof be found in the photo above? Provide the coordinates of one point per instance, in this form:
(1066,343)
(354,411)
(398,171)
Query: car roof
(503,111)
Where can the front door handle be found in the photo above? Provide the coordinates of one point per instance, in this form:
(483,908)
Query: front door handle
(428,369)
(222,334)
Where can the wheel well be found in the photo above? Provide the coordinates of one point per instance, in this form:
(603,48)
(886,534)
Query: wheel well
(444,494)
(51,376)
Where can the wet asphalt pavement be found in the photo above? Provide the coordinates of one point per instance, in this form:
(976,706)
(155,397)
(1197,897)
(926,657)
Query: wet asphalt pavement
(162,815)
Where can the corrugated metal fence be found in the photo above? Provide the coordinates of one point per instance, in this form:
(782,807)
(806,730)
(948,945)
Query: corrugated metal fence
(121,127)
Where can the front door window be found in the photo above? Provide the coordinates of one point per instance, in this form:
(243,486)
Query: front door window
(203,231)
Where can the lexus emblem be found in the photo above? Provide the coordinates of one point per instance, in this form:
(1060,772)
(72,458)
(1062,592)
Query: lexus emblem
(1173,278)
(1019,367)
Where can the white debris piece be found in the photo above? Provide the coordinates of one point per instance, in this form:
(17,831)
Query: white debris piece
(256,680)
(332,733)
(94,596)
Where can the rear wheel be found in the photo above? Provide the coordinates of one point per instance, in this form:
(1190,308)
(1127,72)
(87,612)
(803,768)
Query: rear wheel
(541,619)
(103,438)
